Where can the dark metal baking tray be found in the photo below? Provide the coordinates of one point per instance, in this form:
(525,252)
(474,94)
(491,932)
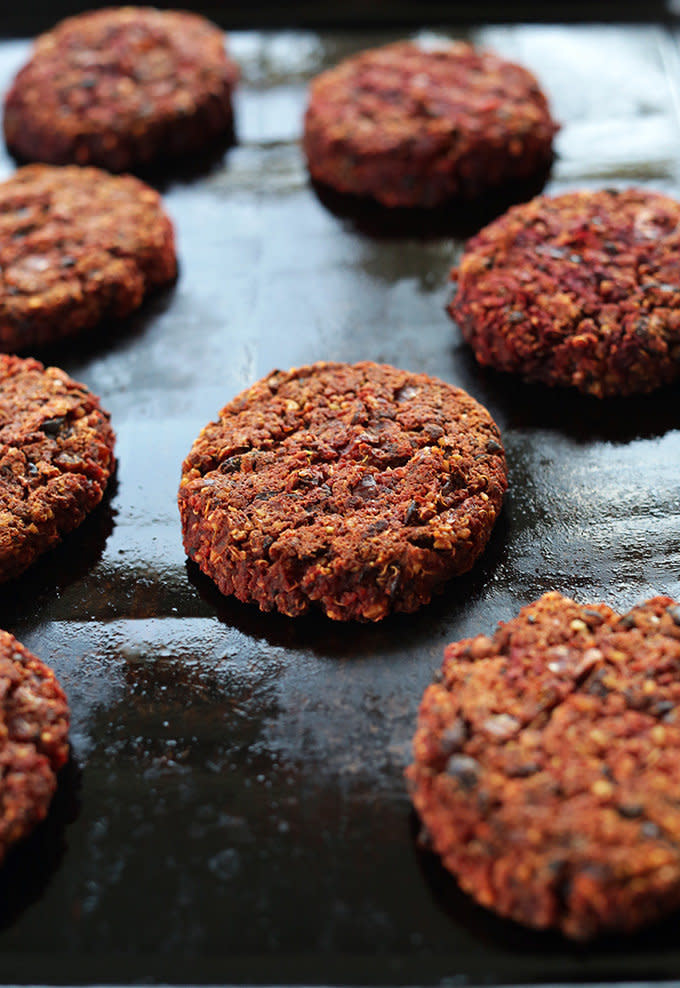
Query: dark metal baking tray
(234,810)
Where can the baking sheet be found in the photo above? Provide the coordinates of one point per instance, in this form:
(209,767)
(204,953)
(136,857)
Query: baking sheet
(235,810)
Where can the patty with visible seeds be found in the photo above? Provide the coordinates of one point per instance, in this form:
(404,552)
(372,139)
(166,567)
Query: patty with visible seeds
(34,723)
(56,457)
(416,125)
(77,246)
(580,290)
(546,765)
(358,488)
(121,88)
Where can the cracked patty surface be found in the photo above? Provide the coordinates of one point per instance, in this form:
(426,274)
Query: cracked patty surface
(121,88)
(546,765)
(580,290)
(77,246)
(359,488)
(414,125)
(34,723)
(56,457)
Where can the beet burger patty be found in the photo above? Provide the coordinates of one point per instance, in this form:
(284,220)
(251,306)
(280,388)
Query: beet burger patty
(416,125)
(358,488)
(580,290)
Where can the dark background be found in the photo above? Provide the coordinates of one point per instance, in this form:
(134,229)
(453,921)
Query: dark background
(38,15)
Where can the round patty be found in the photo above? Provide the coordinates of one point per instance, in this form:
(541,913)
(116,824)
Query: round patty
(34,723)
(77,246)
(56,456)
(359,488)
(415,125)
(121,88)
(582,289)
(546,765)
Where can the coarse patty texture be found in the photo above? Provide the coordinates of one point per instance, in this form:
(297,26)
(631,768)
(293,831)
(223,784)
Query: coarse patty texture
(121,88)
(546,765)
(411,124)
(360,488)
(34,723)
(56,457)
(580,290)
(77,246)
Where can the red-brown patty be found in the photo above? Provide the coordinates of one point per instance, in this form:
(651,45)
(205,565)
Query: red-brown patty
(547,765)
(77,246)
(581,290)
(414,125)
(121,88)
(360,488)
(34,723)
(56,456)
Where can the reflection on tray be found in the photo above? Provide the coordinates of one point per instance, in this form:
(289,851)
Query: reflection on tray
(458,218)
